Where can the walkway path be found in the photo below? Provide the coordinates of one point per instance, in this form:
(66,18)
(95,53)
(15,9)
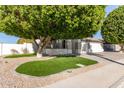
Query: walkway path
(107,76)
(101,77)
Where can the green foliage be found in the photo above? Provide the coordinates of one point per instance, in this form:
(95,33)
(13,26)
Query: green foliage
(51,22)
(52,66)
(70,55)
(58,22)
(113,26)
(22,41)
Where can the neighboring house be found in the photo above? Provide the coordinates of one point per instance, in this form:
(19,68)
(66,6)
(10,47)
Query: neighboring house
(75,46)
(111,47)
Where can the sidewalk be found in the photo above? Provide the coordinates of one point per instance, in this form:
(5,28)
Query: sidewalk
(102,77)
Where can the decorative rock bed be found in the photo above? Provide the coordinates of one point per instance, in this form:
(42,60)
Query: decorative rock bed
(10,78)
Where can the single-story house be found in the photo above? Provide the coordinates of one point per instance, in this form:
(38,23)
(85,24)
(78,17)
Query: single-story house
(56,47)
(75,46)
(61,47)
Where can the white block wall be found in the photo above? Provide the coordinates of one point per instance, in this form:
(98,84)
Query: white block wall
(117,47)
(7,49)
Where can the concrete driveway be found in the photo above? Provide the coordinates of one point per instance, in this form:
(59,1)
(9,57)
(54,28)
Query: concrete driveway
(109,75)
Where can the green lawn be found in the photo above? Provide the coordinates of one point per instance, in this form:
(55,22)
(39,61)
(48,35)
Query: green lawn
(20,55)
(52,66)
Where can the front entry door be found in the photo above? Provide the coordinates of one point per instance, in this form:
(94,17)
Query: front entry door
(74,46)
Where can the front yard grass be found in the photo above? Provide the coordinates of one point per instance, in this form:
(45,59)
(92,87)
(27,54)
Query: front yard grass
(52,66)
(20,55)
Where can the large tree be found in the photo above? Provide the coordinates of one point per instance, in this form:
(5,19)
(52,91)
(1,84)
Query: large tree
(113,27)
(51,22)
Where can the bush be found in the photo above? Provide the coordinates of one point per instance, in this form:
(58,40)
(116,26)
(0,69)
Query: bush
(70,55)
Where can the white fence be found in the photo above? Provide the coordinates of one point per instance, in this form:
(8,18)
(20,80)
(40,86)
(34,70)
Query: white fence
(7,49)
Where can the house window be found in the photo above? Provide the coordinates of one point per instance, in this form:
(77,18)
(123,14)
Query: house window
(58,44)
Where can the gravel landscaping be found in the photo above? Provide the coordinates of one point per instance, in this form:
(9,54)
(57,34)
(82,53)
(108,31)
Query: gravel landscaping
(10,78)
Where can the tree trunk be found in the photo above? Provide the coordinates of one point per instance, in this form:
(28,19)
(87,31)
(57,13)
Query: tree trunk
(39,55)
(43,43)
(122,48)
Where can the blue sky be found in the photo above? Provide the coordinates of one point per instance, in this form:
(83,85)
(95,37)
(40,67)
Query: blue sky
(108,10)
(12,39)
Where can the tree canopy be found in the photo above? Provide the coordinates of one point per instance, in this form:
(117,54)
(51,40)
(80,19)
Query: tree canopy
(51,22)
(55,21)
(113,27)
(22,41)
